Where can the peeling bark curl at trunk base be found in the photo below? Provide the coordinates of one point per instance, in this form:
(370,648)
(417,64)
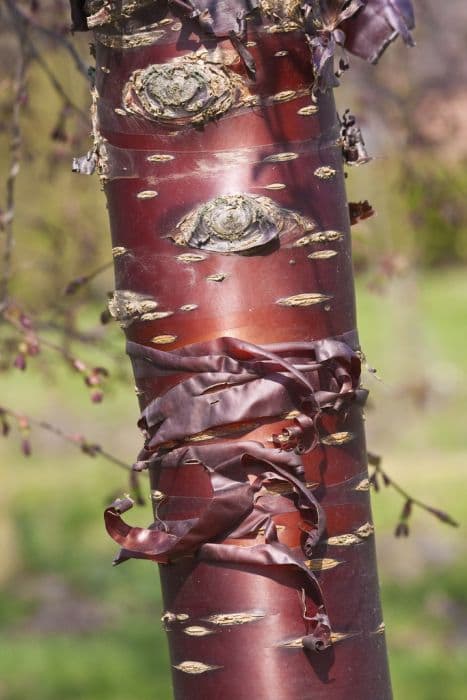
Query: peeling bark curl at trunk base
(216,137)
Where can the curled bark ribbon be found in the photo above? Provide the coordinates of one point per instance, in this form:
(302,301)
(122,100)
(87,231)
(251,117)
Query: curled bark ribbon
(233,499)
(369,31)
(232,381)
(363,27)
(236,510)
(212,384)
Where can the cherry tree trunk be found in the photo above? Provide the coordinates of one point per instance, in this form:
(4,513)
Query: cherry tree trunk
(221,154)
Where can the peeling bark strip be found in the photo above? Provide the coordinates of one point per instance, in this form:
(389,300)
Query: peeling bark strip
(234,382)
(216,138)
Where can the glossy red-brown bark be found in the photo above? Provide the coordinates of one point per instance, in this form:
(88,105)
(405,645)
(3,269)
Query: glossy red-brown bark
(183,167)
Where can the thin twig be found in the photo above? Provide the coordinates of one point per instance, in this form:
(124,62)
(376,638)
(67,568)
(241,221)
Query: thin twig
(13,315)
(15,160)
(78,282)
(91,449)
(56,37)
(24,423)
(409,501)
(16,323)
(20,26)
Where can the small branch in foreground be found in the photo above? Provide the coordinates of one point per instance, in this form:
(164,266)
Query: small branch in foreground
(54,36)
(8,215)
(402,527)
(21,25)
(24,424)
(31,344)
(75,284)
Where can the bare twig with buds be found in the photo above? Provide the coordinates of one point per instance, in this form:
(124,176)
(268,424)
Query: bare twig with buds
(402,529)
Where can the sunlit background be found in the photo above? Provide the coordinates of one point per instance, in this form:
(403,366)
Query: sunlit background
(72,626)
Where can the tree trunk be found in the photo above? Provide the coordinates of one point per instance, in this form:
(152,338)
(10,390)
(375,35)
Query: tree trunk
(222,161)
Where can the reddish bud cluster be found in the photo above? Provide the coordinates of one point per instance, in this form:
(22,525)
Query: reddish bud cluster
(75,284)
(90,449)
(25,430)
(93,378)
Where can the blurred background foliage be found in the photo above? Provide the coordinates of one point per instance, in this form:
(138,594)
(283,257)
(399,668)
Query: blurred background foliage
(71,625)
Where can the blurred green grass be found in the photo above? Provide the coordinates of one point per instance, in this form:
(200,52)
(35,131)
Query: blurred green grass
(72,626)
